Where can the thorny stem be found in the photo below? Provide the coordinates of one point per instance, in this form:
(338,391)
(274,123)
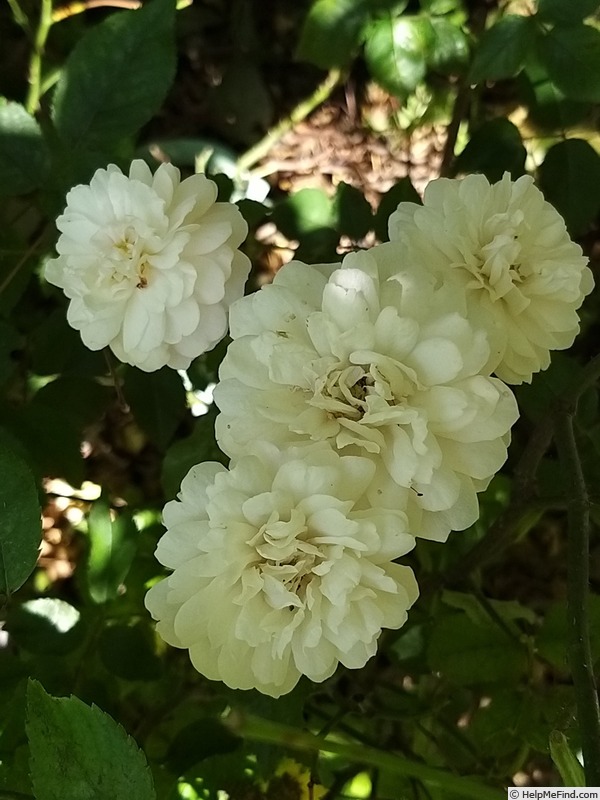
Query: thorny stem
(579,648)
(261,730)
(35,64)
(300,112)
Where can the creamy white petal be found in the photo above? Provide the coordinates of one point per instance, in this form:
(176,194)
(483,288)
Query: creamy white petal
(150,264)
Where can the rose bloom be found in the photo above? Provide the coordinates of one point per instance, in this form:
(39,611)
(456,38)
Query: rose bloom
(378,364)
(509,252)
(280,568)
(149,264)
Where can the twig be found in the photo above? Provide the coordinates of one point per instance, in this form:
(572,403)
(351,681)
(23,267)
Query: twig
(300,112)
(20,263)
(461,105)
(70,10)
(261,730)
(35,64)
(80,6)
(19,15)
(579,648)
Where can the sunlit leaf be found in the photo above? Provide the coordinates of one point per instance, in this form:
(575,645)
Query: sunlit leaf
(449,48)
(113,543)
(331,32)
(396,51)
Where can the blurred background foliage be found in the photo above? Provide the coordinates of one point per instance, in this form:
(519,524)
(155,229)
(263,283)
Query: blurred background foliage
(318,118)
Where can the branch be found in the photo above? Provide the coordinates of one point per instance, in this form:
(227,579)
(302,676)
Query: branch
(579,648)
(302,110)
(261,730)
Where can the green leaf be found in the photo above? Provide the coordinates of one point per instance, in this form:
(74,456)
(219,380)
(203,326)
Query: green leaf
(304,212)
(401,192)
(552,638)
(82,398)
(331,32)
(113,544)
(49,449)
(540,396)
(55,347)
(503,49)
(200,739)
(571,56)
(23,153)
(117,76)
(79,753)
(354,215)
(157,400)
(128,652)
(508,610)
(569,178)
(468,654)
(548,107)
(565,761)
(495,147)
(186,453)
(566,11)
(449,49)
(46,625)
(20,521)
(396,52)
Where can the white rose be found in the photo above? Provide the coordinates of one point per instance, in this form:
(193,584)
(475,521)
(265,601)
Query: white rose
(280,568)
(509,252)
(379,364)
(150,264)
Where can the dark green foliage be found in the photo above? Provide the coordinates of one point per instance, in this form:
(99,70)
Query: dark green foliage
(477,682)
(503,49)
(80,753)
(23,152)
(116,77)
(20,530)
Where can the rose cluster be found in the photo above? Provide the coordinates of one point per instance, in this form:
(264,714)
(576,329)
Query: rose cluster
(362,404)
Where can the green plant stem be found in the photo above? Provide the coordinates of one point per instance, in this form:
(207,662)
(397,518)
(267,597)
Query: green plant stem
(261,730)
(19,15)
(579,648)
(300,112)
(459,112)
(35,64)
